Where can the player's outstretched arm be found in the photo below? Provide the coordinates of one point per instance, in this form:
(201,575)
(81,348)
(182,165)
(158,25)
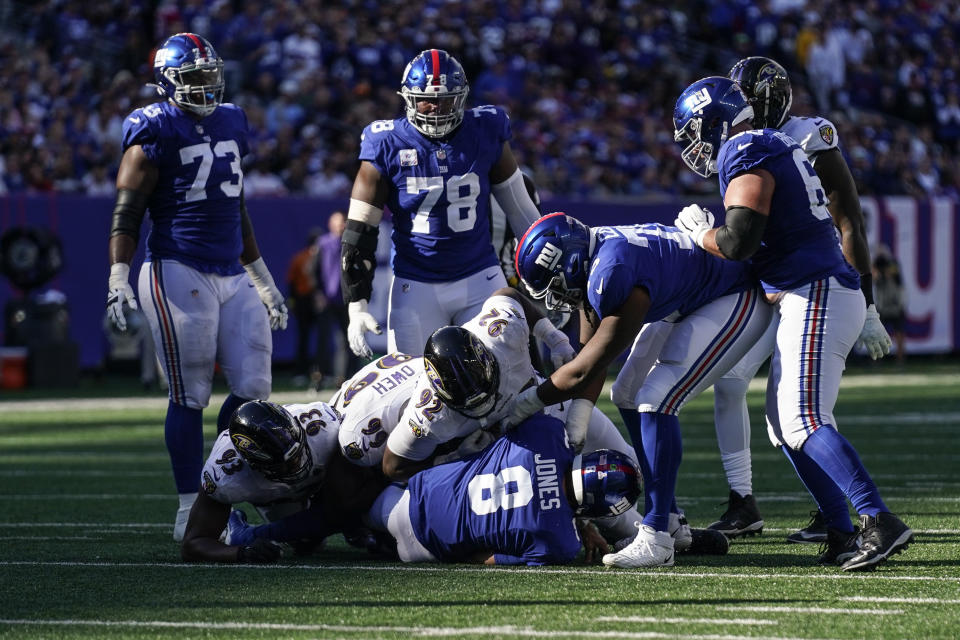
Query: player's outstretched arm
(747,203)
(583,376)
(136,180)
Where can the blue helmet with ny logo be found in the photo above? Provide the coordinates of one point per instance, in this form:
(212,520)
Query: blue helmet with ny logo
(553,260)
(705,113)
(189,72)
(605,483)
(434,90)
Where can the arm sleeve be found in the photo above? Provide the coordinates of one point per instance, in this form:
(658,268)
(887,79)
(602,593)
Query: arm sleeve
(740,236)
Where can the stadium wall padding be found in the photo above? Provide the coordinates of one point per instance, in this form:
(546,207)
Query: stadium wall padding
(924,235)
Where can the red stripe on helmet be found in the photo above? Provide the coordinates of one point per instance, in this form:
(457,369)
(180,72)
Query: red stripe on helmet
(197,41)
(435,59)
(516,256)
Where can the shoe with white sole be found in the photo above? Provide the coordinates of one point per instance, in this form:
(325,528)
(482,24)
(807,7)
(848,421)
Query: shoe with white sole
(650,548)
(678,529)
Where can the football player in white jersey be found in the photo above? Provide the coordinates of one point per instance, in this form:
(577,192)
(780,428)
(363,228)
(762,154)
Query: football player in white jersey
(370,404)
(471,376)
(436,169)
(284,461)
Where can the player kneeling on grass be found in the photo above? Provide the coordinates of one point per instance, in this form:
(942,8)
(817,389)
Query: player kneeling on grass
(285,461)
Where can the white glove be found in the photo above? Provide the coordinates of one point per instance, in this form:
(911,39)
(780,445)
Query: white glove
(578,419)
(268,292)
(695,221)
(557,341)
(119,292)
(360,322)
(873,337)
(524,405)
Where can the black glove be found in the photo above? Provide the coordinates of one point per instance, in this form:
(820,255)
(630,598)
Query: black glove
(262,551)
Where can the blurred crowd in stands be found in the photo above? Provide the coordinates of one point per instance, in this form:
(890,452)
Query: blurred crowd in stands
(589,84)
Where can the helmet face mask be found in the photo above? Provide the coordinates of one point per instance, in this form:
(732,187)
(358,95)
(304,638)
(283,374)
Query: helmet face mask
(271,441)
(605,483)
(552,261)
(434,90)
(189,72)
(705,114)
(462,371)
(767,86)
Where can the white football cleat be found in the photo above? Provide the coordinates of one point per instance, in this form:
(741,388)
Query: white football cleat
(650,548)
(678,528)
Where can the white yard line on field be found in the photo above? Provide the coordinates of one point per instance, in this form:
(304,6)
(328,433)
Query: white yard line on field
(653,573)
(844,612)
(435,632)
(652,620)
(900,600)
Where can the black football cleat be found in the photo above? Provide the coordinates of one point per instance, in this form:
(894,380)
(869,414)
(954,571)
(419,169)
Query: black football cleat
(883,536)
(706,542)
(839,547)
(742,517)
(815,531)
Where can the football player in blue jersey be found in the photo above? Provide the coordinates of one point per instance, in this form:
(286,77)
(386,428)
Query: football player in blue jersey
(435,169)
(768,90)
(515,502)
(181,161)
(778,222)
(620,278)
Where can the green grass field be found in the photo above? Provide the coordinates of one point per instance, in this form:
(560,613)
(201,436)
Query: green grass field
(87,504)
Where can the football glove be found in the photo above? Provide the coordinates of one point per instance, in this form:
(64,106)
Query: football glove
(524,405)
(557,341)
(873,336)
(260,551)
(360,322)
(695,221)
(268,292)
(578,419)
(119,292)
